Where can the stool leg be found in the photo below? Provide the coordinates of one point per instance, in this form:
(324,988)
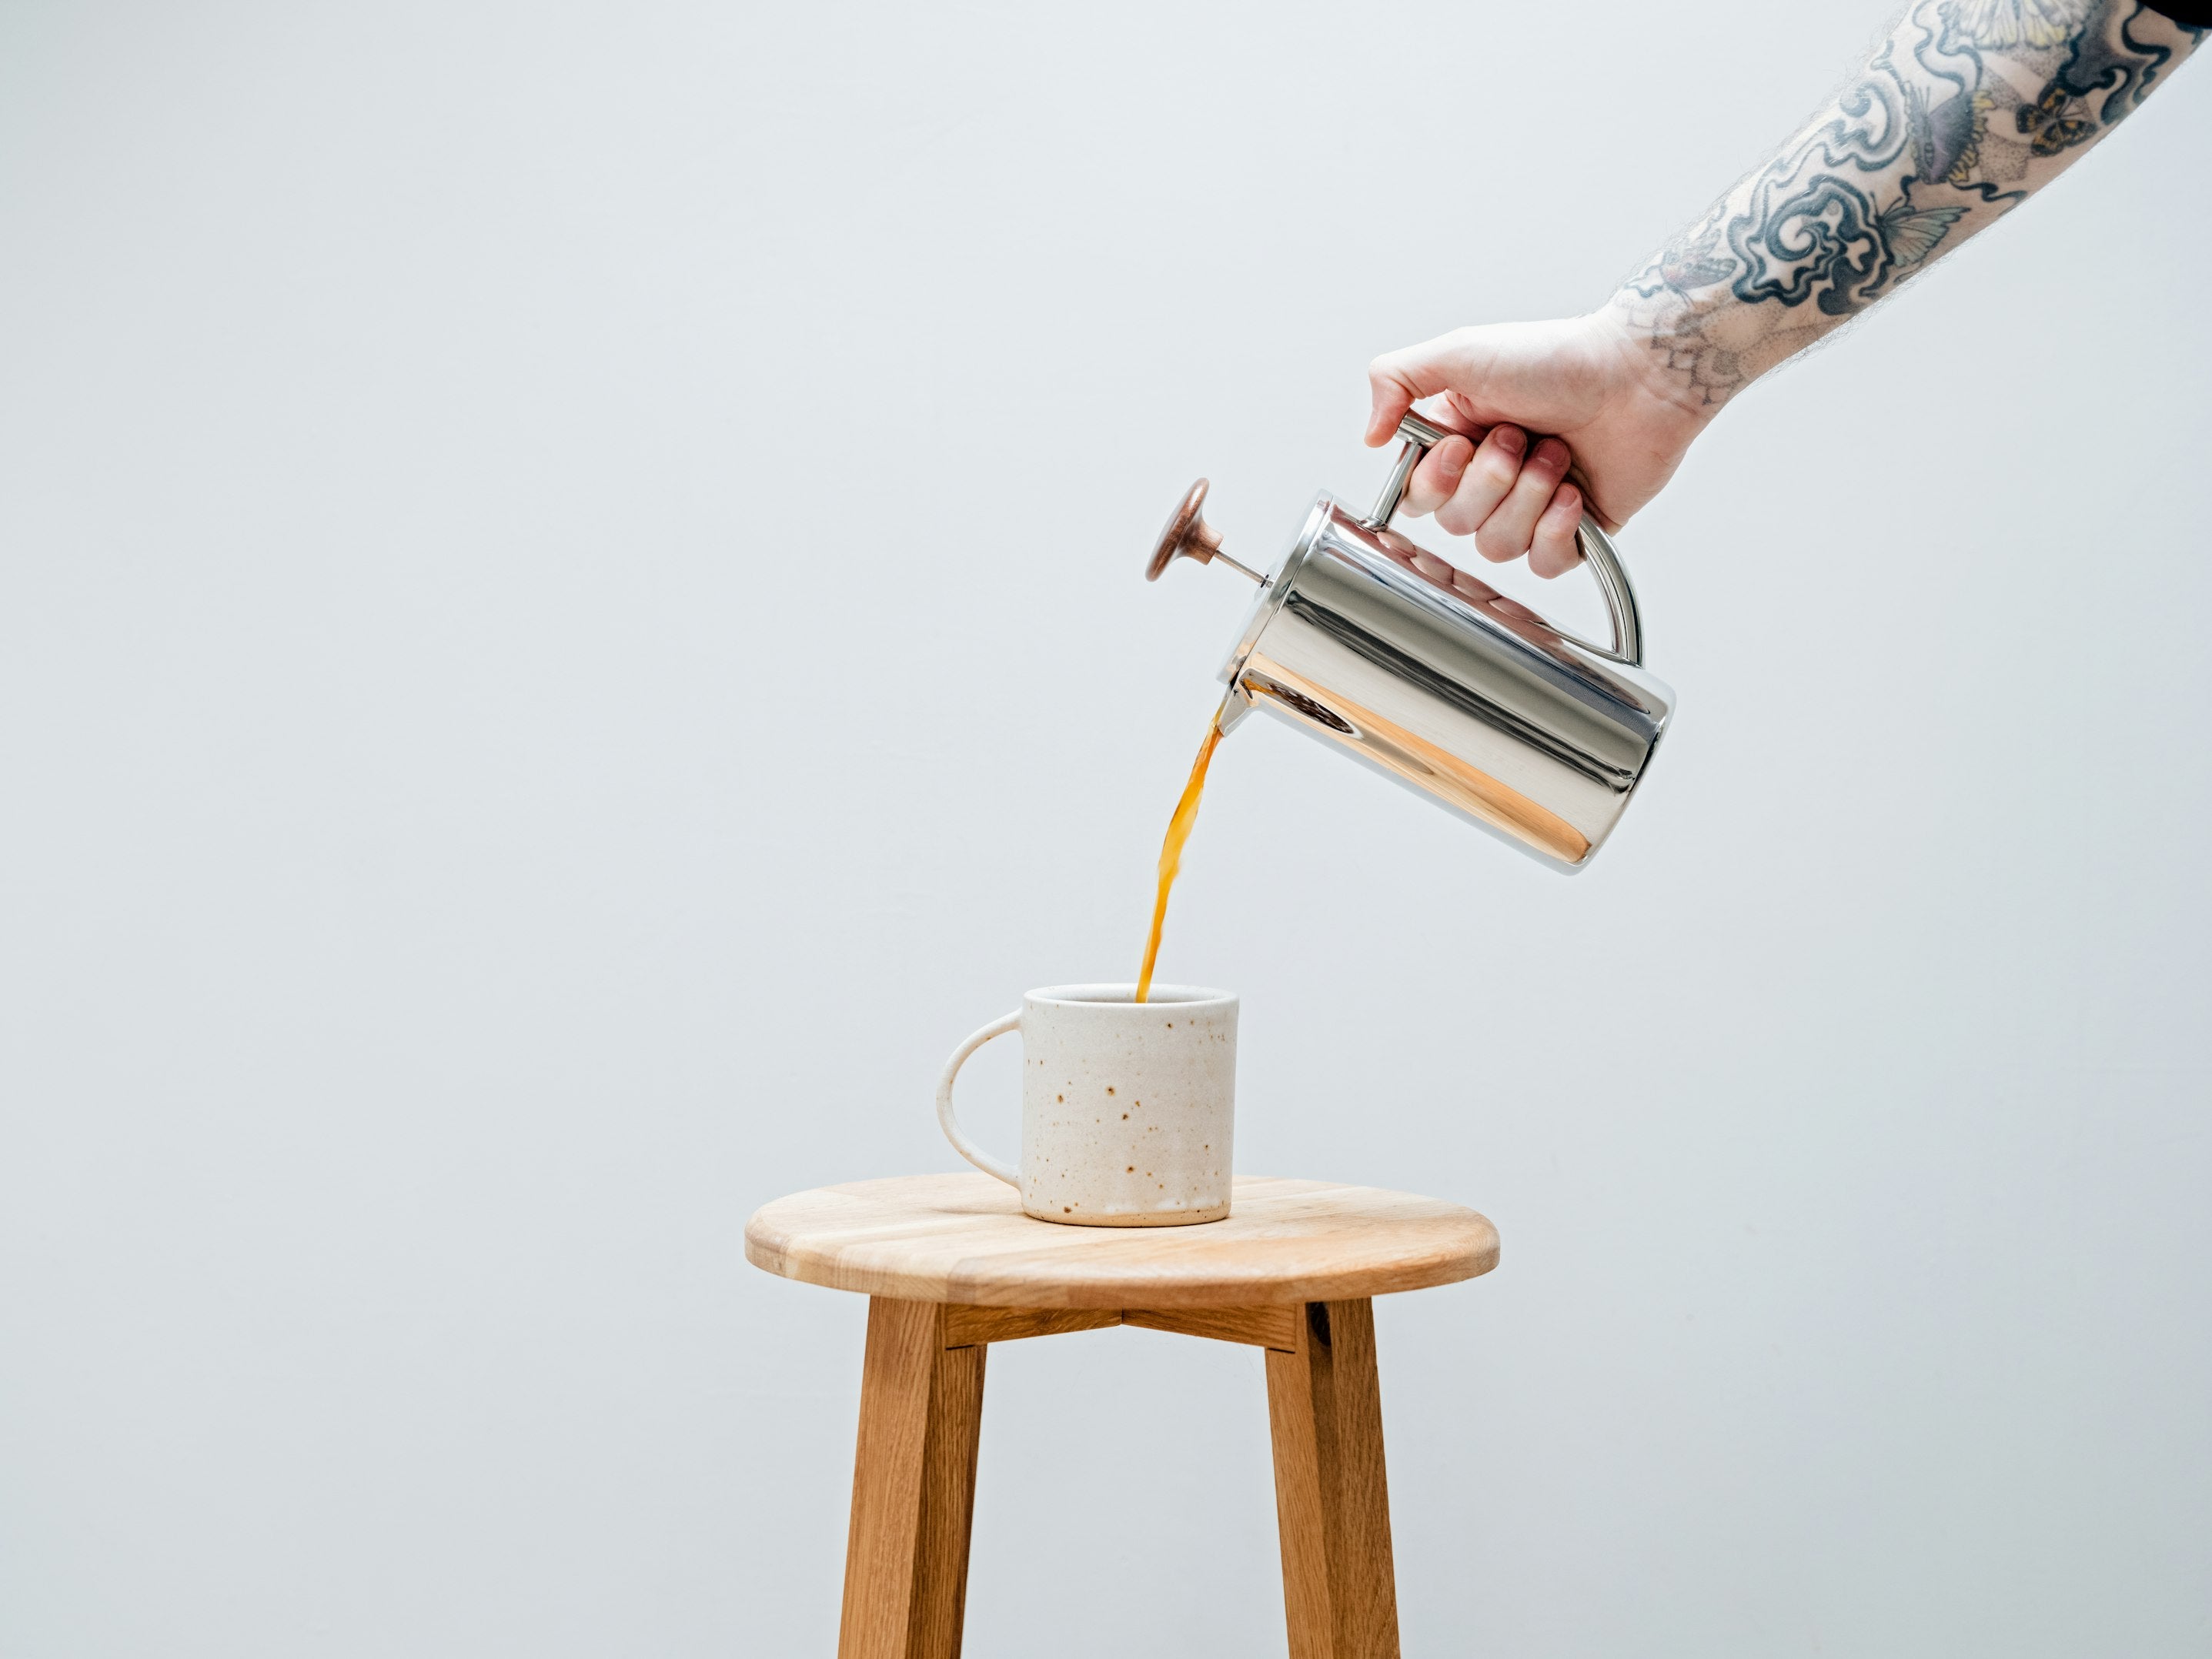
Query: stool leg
(914,1487)
(1332,1503)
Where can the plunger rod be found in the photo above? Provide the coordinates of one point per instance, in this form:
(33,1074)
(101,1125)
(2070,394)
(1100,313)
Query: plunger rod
(1242,570)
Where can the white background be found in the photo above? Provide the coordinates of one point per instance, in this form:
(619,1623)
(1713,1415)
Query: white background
(570,620)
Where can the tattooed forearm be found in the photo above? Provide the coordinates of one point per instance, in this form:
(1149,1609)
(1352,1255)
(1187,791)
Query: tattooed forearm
(1966,109)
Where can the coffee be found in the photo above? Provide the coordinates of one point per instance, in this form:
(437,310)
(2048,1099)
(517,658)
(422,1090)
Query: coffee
(1179,827)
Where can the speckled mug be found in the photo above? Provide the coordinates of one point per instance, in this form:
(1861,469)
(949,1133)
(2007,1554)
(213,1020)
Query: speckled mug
(1126,1106)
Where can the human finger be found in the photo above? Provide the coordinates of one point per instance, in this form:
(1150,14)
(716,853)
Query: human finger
(1437,477)
(1488,480)
(1511,526)
(1553,550)
(1398,379)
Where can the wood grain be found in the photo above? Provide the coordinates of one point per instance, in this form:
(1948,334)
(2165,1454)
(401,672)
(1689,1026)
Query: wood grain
(914,1487)
(963,1238)
(1267,1328)
(1332,1500)
(1263,1327)
(965,1326)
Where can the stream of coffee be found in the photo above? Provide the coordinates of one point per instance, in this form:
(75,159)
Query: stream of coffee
(1186,814)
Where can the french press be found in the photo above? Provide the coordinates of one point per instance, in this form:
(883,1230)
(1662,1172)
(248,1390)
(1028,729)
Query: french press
(1437,680)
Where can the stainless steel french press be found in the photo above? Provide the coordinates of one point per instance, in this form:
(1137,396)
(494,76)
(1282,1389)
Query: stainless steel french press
(1436,679)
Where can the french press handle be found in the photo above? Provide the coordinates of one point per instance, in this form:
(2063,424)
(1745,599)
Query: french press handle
(1420,436)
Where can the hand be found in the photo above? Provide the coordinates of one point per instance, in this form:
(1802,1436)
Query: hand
(1589,382)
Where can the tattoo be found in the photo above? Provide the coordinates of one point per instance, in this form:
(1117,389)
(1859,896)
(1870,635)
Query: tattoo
(1937,136)
(2117,63)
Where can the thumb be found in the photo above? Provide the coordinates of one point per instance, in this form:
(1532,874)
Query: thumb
(1398,379)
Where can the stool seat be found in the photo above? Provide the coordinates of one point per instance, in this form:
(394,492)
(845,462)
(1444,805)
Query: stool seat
(963,1238)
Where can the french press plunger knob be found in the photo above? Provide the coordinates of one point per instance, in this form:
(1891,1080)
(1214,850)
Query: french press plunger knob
(1188,536)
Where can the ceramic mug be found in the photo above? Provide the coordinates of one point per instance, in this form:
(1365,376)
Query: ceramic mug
(1126,1106)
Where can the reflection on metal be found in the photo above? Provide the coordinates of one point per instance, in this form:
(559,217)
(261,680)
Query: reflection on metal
(1365,640)
(1257,683)
(1416,760)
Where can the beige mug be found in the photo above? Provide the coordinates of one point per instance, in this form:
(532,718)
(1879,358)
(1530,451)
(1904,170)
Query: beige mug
(1126,1106)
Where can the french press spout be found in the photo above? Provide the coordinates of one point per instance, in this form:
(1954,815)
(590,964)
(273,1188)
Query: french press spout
(1362,639)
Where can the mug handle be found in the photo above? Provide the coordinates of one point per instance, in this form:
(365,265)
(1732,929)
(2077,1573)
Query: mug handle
(966,1148)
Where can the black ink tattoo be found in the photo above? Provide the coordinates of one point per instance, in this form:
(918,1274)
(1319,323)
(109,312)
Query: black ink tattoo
(2113,60)
(1933,140)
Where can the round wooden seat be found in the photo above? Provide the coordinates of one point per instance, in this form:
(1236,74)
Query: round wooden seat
(963,1238)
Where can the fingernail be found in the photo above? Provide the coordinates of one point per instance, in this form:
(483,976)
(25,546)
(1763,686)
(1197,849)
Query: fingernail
(1551,452)
(1510,439)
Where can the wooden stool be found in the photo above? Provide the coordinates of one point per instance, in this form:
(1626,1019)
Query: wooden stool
(949,1264)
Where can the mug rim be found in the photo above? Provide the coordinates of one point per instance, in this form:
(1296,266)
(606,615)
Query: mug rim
(1122,995)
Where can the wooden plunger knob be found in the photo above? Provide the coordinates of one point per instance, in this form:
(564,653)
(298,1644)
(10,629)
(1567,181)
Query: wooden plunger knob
(1188,535)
